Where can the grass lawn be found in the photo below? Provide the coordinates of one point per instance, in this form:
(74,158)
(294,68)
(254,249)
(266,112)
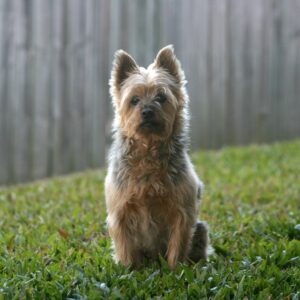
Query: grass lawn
(53,240)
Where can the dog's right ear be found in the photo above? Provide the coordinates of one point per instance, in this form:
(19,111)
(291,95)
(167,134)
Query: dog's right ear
(123,66)
(167,60)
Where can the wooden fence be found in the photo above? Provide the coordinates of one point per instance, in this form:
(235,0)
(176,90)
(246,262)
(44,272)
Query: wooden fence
(241,59)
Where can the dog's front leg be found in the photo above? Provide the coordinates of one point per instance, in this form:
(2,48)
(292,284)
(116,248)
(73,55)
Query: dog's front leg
(126,251)
(123,249)
(179,242)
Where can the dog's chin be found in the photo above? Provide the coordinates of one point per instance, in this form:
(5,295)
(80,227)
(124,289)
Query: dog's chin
(151,127)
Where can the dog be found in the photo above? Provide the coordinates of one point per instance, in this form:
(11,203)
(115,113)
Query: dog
(152,192)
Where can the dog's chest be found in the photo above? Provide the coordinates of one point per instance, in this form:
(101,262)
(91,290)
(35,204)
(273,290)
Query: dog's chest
(148,178)
(146,172)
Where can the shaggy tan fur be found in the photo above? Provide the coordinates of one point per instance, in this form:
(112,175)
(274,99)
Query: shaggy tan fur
(152,191)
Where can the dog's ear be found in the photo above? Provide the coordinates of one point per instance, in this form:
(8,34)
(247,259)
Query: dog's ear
(123,66)
(167,60)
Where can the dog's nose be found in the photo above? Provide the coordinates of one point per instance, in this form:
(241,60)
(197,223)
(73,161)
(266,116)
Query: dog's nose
(147,113)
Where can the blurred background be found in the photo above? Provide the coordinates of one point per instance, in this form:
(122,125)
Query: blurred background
(241,59)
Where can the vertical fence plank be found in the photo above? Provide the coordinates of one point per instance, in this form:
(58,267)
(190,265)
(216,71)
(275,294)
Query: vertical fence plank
(115,30)
(218,75)
(247,66)
(266,130)
(125,35)
(101,101)
(259,69)
(97,136)
(50,92)
(209,79)
(3,61)
(149,32)
(29,90)
(41,43)
(76,50)
(55,161)
(7,172)
(230,113)
(170,27)
(255,27)
(197,78)
(72,54)
(66,132)
(88,81)
(19,118)
(158,26)
(277,70)
(239,84)
(295,120)
(291,33)
(12,95)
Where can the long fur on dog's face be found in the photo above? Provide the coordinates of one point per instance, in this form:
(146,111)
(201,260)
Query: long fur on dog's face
(159,89)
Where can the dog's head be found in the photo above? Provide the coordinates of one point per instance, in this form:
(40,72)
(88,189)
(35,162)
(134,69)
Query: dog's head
(148,102)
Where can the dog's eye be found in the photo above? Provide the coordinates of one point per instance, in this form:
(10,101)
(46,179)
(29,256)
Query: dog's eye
(160,98)
(135,100)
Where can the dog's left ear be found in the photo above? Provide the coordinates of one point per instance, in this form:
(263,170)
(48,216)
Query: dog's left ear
(123,66)
(167,60)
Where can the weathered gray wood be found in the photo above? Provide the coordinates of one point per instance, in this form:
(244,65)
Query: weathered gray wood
(149,31)
(3,63)
(230,112)
(66,131)
(51,116)
(277,71)
(89,82)
(263,100)
(6,163)
(217,101)
(255,15)
(56,82)
(241,59)
(98,85)
(18,121)
(42,48)
(101,101)
(73,49)
(115,30)
(158,25)
(197,76)
(77,68)
(294,114)
(247,66)
(209,78)
(291,93)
